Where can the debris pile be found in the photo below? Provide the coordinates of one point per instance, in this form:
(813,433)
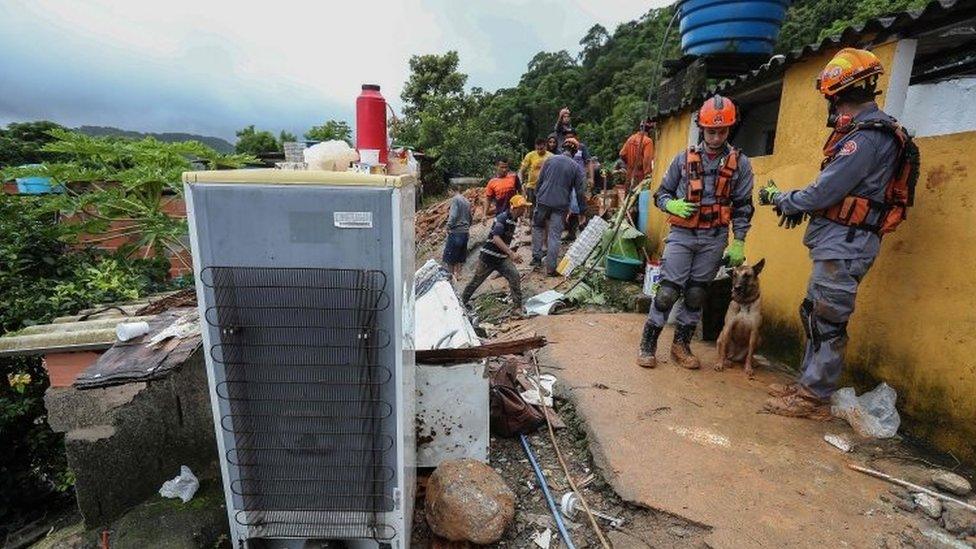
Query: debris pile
(954,514)
(431,223)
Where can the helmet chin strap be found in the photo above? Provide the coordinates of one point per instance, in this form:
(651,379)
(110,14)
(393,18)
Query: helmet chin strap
(834,118)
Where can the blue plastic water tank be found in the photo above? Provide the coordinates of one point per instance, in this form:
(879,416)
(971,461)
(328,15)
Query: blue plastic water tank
(711,27)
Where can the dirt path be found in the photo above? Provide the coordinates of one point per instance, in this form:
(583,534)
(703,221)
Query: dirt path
(693,444)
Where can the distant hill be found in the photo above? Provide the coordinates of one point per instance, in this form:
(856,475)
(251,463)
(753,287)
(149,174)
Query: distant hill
(216,143)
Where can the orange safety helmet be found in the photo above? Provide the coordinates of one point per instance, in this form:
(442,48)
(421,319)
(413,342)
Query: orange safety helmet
(849,67)
(717,112)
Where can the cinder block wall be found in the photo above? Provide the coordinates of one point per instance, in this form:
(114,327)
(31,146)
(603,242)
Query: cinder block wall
(123,442)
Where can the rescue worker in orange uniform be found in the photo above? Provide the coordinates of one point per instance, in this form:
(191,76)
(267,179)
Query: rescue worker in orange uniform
(705,190)
(850,205)
(638,152)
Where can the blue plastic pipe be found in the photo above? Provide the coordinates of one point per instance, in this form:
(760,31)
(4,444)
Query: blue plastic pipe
(545,490)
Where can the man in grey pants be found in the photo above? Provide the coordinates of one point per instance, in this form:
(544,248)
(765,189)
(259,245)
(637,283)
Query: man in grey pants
(560,175)
(848,207)
(706,189)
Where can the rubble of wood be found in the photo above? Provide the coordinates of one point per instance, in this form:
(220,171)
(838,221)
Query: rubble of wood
(467,354)
(431,223)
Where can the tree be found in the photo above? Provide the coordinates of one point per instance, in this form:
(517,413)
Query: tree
(869,9)
(285,137)
(432,77)
(332,129)
(255,143)
(22,143)
(116,186)
(592,42)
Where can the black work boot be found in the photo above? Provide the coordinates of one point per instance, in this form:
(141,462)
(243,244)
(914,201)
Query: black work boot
(681,347)
(648,345)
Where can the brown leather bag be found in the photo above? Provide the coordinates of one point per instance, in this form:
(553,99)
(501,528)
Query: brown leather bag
(510,415)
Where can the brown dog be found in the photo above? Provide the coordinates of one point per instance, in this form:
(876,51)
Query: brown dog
(740,336)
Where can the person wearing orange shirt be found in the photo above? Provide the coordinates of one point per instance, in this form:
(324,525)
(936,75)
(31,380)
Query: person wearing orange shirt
(638,152)
(501,188)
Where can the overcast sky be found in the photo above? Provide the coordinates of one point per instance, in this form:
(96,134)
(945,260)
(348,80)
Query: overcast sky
(212,67)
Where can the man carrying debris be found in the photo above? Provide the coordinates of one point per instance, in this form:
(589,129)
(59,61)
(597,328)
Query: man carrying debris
(866,182)
(458,226)
(706,189)
(497,255)
(502,187)
(560,177)
(530,168)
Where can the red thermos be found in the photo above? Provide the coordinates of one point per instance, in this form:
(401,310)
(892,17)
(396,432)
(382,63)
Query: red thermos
(371,122)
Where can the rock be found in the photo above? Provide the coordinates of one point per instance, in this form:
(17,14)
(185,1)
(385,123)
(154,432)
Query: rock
(951,482)
(468,501)
(901,500)
(929,505)
(958,520)
(678,531)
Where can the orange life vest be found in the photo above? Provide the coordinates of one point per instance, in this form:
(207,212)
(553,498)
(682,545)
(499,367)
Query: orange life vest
(854,211)
(718,214)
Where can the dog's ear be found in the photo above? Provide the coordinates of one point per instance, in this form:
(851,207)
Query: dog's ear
(758,267)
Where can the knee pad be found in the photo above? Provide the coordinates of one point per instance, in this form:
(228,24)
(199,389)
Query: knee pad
(811,326)
(695,295)
(667,294)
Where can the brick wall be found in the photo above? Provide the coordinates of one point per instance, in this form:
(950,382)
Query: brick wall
(120,234)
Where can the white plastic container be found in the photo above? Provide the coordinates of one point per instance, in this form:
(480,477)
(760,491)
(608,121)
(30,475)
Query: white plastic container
(131,330)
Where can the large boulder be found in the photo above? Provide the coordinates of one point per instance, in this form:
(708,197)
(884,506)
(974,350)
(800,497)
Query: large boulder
(468,501)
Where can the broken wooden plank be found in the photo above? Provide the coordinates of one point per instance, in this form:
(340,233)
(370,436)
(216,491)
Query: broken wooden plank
(498,348)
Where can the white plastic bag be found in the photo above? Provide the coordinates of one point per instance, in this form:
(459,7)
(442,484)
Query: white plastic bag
(183,486)
(335,155)
(872,414)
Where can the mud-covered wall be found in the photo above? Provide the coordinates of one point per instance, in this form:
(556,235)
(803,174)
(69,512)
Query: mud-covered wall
(915,322)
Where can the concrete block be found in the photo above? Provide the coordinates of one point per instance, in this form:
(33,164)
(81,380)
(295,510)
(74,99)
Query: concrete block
(123,442)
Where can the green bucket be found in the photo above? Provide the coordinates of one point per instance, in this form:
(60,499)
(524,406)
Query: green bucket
(623,268)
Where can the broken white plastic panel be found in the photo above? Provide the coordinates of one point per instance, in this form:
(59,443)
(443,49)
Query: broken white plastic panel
(543,303)
(583,245)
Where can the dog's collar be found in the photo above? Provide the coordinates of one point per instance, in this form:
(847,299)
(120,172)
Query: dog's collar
(750,302)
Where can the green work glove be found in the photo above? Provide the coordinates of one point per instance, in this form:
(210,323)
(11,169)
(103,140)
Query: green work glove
(768,193)
(680,208)
(735,254)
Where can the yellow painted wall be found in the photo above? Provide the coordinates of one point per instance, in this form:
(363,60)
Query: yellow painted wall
(672,139)
(915,322)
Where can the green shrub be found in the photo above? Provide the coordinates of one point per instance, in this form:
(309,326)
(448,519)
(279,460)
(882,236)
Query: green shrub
(42,277)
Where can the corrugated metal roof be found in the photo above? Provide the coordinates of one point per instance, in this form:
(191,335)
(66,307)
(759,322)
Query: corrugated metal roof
(906,24)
